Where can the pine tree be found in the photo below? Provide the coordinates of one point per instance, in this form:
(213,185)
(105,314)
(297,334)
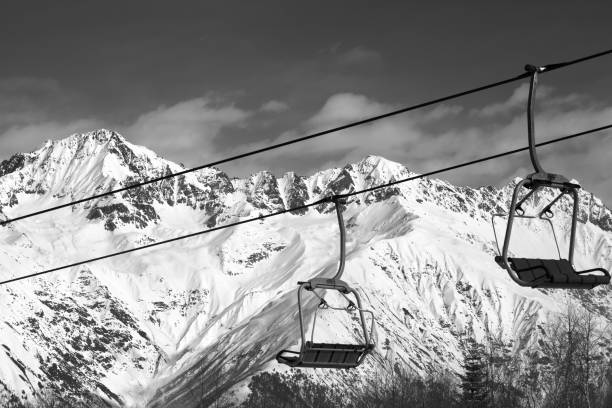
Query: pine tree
(474,380)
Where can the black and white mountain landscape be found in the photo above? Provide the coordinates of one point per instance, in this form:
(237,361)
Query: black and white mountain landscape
(183,324)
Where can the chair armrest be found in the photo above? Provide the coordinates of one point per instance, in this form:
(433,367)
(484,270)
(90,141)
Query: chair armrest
(605,272)
(292,361)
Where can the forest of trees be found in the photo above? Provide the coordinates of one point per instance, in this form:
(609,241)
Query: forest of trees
(572,369)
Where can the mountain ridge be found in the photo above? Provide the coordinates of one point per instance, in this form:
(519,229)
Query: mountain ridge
(150,328)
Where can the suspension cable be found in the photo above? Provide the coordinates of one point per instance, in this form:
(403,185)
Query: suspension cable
(306,206)
(546,68)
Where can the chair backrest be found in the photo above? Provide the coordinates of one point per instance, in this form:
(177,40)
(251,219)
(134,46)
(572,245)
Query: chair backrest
(329,354)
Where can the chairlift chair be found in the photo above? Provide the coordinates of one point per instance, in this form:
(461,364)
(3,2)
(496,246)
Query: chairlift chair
(330,355)
(535,272)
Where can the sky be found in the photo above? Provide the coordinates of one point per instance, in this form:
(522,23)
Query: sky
(197,81)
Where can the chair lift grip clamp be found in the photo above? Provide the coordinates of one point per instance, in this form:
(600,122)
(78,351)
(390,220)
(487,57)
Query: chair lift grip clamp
(336,198)
(532,68)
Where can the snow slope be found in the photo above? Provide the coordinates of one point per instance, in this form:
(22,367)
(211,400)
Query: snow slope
(185,322)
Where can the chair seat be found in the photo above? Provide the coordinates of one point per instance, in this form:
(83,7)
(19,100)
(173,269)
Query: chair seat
(325,355)
(556,273)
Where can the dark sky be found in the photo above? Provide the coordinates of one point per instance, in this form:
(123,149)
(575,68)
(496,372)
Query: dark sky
(198,80)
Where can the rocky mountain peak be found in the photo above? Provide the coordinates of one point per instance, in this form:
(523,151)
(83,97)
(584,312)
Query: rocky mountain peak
(96,137)
(147,328)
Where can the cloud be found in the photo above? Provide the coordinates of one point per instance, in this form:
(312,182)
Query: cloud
(518,99)
(200,129)
(401,138)
(346,107)
(26,138)
(180,130)
(28,116)
(390,137)
(186,131)
(441,112)
(357,56)
(384,137)
(409,140)
(274,106)
(581,158)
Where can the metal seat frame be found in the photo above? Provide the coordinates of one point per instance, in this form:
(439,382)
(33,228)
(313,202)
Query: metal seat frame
(536,181)
(309,351)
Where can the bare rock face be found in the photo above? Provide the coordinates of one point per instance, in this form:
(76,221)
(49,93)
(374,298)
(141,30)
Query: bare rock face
(183,323)
(295,192)
(263,193)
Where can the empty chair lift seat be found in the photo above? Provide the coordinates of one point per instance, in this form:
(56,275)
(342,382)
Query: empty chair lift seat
(325,355)
(556,273)
(544,273)
(330,355)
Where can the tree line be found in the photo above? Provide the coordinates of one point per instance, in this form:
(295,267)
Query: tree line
(570,366)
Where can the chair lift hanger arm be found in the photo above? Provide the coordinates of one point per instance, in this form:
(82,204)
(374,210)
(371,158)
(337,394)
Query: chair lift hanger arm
(533,82)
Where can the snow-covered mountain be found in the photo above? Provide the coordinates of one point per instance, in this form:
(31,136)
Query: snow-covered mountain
(182,323)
